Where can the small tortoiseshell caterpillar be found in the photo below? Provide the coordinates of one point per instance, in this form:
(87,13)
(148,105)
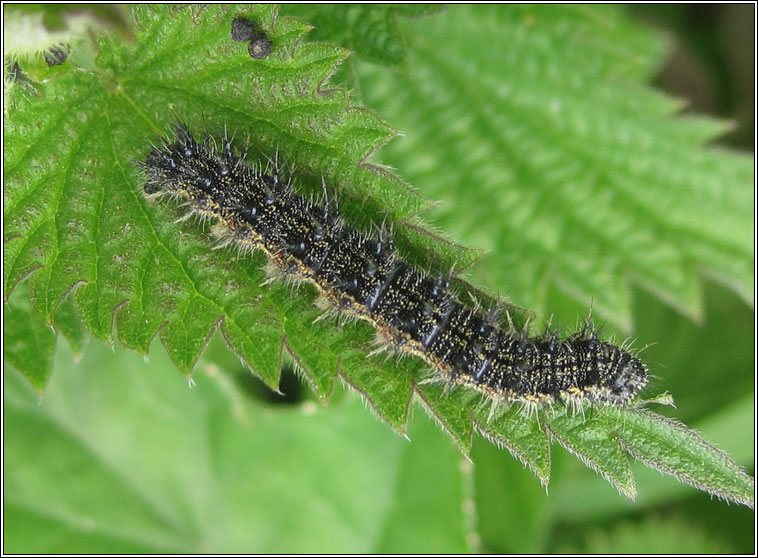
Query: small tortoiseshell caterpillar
(363,276)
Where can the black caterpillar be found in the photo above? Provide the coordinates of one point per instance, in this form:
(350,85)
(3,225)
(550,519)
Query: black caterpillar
(363,276)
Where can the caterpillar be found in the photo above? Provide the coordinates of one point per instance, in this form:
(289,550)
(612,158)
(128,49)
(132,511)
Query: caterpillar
(363,276)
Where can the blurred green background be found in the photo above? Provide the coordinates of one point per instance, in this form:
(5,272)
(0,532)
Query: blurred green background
(122,455)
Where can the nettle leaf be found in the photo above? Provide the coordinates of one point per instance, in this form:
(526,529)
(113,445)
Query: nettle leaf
(76,222)
(152,465)
(28,343)
(369,31)
(670,447)
(575,172)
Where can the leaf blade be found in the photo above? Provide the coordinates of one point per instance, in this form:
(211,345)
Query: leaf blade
(670,447)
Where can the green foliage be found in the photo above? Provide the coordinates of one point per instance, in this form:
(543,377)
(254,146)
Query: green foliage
(28,343)
(575,176)
(369,31)
(242,475)
(657,535)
